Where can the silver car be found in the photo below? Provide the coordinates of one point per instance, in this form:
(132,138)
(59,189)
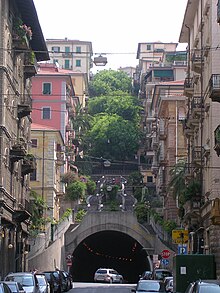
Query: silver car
(28,281)
(14,286)
(107,276)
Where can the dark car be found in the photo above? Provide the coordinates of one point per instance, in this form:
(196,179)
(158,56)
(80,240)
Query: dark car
(161,274)
(149,286)
(204,286)
(59,283)
(146,275)
(67,280)
(4,288)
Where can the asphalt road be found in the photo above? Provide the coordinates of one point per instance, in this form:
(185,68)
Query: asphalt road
(101,288)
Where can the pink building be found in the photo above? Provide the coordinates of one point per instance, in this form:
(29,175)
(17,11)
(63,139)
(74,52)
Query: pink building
(54,102)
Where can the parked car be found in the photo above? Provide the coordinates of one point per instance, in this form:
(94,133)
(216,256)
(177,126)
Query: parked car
(204,286)
(146,275)
(28,281)
(67,280)
(4,288)
(43,283)
(149,286)
(52,281)
(15,287)
(168,282)
(108,276)
(160,274)
(58,280)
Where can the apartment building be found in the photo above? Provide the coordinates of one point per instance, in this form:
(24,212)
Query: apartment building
(202,33)
(74,55)
(22,44)
(161,73)
(47,145)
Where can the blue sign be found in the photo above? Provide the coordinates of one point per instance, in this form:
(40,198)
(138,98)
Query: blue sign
(165,261)
(182,249)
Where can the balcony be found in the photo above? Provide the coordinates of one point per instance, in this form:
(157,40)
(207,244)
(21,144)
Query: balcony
(215,212)
(22,212)
(197,107)
(67,55)
(29,164)
(25,107)
(188,87)
(197,60)
(214,88)
(192,208)
(60,158)
(30,64)
(17,152)
(197,156)
(20,43)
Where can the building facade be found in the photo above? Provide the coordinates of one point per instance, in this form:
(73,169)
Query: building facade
(74,55)
(202,33)
(23,45)
(160,74)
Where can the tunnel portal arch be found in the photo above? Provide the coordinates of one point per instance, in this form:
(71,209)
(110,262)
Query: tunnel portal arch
(112,239)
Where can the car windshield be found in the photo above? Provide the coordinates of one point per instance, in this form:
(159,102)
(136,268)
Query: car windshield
(146,286)
(23,280)
(101,272)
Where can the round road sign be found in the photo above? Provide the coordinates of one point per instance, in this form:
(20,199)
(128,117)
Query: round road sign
(165,253)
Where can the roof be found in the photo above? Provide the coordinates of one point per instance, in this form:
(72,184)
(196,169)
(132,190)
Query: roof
(30,18)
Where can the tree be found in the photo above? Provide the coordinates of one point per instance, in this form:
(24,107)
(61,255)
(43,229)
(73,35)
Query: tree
(177,182)
(76,190)
(112,137)
(105,82)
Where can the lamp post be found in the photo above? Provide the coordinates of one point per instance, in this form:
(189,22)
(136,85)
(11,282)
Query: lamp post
(100,60)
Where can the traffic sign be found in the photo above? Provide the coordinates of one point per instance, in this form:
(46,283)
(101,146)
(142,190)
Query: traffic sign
(180,236)
(165,253)
(182,249)
(165,262)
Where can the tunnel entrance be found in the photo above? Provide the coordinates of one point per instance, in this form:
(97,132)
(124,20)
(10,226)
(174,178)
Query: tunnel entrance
(109,249)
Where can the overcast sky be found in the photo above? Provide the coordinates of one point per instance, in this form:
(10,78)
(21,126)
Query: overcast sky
(114,27)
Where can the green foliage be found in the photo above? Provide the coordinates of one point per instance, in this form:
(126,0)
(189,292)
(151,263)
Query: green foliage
(80,215)
(111,195)
(76,190)
(135,179)
(90,187)
(105,82)
(112,137)
(121,104)
(169,226)
(193,189)
(177,182)
(66,215)
(142,212)
(38,206)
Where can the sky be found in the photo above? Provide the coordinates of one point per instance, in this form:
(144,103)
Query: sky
(115,27)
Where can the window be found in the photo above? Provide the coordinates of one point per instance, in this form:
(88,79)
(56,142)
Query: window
(67,49)
(46,113)
(33,175)
(149,179)
(34,143)
(78,49)
(56,49)
(66,64)
(78,63)
(46,88)
(148,47)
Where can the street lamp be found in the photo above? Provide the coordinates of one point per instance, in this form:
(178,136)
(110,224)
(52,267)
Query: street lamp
(100,60)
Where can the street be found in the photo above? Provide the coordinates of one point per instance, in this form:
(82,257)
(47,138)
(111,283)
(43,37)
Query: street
(101,288)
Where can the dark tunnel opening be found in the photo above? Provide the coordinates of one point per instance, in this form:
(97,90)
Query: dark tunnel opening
(109,249)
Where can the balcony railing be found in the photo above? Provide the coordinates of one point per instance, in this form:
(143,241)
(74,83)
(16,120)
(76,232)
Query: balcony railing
(214,87)
(197,107)
(22,212)
(29,164)
(197,155)
(197,60)
(25,107)
(188,87)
